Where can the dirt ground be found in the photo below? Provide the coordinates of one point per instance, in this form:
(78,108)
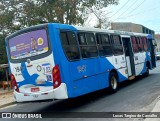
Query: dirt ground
(6,97)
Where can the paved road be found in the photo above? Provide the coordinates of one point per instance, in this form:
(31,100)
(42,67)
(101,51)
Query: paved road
(137,95)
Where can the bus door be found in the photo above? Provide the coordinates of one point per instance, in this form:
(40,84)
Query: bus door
(152,52)
(129,55)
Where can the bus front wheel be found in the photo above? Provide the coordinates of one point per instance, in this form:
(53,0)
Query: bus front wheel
(113,82)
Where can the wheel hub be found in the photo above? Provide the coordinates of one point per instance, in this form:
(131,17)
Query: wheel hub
(113,82)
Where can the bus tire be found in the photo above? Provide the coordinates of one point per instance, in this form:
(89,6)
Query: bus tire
(113,82)
(146,74)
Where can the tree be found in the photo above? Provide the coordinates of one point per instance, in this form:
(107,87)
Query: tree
(102,19)
(3,57)
(17,14)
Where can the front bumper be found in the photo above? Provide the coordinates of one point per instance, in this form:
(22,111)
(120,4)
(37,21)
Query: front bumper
(58,93)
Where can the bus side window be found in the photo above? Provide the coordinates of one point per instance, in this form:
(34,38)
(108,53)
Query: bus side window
(71,38)
(98,38)
(90,39)
(87,45)
(140,44)
(117,45)
(81,38)
(104,45)
(145,43)
(134,44)
(64,39)
(69,44)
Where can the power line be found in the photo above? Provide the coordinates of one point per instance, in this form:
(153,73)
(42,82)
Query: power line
(148,10)
(132,9)
(127,8)
(137,7)
(120,8)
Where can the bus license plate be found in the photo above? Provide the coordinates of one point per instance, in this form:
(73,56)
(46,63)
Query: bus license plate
(35,96)
(34,89)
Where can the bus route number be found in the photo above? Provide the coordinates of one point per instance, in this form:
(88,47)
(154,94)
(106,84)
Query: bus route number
(46,68)
(18,69)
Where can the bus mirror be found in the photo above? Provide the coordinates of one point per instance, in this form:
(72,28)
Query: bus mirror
(155,42)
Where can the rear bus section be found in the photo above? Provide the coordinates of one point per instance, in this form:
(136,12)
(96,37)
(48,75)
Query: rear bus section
(34,74)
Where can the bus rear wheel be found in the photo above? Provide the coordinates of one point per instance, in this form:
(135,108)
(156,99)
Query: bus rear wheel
(113,82)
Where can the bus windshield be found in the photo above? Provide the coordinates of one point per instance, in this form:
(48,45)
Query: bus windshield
(28,44)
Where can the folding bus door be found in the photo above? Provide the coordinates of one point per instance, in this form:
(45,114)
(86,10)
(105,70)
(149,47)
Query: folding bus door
(129,56)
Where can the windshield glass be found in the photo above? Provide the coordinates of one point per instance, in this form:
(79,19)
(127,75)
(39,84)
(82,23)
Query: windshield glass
(28,44)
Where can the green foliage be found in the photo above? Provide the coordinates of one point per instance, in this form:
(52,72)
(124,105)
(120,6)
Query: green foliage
(18,14)
(3,57)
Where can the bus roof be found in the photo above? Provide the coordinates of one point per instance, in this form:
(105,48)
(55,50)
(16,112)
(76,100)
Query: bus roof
(80,28)
(112,31)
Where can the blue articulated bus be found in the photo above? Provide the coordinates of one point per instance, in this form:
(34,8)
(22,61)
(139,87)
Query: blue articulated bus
(58,61)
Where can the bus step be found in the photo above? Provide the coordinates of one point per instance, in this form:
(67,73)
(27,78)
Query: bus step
(131,77)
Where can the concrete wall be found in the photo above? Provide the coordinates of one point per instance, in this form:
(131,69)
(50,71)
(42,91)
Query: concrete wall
(131,27)
(121,26)
(136,28)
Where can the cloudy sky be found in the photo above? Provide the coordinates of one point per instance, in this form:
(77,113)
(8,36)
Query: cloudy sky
(145,12)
